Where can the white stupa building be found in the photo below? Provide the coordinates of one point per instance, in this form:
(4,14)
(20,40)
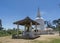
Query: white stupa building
(40,20)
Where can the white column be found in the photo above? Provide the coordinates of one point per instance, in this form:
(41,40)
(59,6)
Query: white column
(36,28)
(25,28)
(24,32)
(17,30)
(31,26)
(30,29)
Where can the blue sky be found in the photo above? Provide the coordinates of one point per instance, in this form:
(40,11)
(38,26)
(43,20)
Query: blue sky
(13,10)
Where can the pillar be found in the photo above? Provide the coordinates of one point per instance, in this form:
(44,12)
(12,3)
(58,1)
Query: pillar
(17,30)
(25,28)
(31,26)
(36,28)
(31,33)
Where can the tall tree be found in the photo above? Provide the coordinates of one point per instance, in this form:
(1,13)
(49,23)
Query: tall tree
(48,24)
(57,23)
(1,28)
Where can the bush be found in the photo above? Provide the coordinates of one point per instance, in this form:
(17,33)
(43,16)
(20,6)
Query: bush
(8,32)
(3,33)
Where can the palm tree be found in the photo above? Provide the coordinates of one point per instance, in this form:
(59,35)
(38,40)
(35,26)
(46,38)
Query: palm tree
(57,23)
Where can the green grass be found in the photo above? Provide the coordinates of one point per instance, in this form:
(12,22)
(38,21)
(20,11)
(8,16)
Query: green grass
(52,41)
(55,41)
(3,33)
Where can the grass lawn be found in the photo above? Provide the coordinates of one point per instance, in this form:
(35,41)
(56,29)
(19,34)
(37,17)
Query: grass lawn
(52,41)
(42,39)
(55,41)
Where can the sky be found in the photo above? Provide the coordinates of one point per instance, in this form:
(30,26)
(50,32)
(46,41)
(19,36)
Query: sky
(14,10)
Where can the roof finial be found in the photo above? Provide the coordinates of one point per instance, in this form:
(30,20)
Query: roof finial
(38,14)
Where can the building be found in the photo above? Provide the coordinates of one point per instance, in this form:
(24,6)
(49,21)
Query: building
(41,28)
(40,20)
(27,23)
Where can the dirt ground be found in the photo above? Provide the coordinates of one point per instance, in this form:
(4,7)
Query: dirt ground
(8,39)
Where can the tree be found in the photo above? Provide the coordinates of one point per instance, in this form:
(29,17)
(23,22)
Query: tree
(57,23)
(48,24)
(1,28)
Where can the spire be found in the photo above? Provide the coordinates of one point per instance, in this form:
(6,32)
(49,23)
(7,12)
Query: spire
(38,14)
